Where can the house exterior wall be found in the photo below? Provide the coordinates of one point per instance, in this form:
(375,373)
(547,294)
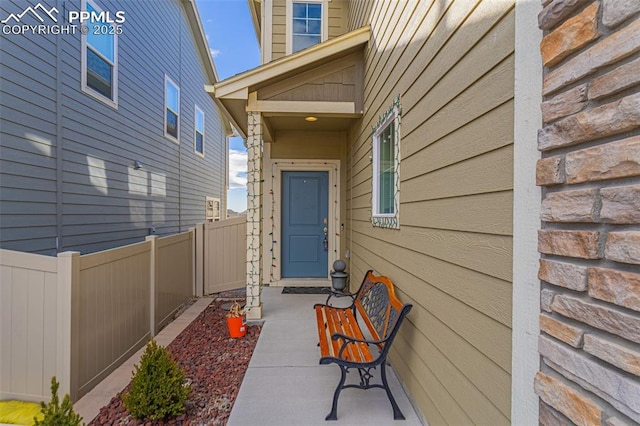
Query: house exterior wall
(316,145)
(452,65)
(68,181)
(319,150)
(337,25)
(589,240)
(278,38)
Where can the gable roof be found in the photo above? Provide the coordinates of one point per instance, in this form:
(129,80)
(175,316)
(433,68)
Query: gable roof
(255,9)
(232,94)
(201,41)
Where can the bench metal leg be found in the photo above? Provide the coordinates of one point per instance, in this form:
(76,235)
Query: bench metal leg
(333,415)
(397,414)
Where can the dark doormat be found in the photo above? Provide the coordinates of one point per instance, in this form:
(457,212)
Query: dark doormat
(306,290)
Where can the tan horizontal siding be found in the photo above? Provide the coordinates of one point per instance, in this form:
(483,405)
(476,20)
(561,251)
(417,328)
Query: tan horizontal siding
(488,172)
(451,62)
(278,29)
(482,213)
(338,17)
(489,254)
(444,356)
(489,132)
(493,89)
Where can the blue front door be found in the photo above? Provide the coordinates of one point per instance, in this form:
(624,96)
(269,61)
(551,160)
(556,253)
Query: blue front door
(304,219)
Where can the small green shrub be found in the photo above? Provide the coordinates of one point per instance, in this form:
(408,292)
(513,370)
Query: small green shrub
(56,414)
(157,388)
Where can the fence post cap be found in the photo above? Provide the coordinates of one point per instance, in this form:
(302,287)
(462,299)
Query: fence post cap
(68,254)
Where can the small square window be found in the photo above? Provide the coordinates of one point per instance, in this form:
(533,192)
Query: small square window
(172,108)
(386,169)
(199,132)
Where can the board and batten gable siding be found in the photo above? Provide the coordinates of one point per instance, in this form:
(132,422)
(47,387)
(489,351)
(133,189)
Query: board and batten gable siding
(452,64)
(28,138)
(99,200)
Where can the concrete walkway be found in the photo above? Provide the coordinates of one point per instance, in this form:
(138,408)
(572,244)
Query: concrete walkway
(285,385)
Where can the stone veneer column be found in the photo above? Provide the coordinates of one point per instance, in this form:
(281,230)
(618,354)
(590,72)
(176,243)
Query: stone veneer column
(254,201)
(590,237)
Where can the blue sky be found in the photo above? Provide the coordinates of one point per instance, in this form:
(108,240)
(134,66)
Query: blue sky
(234,47)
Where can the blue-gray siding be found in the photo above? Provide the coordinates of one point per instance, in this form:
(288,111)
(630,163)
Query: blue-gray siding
(66,159)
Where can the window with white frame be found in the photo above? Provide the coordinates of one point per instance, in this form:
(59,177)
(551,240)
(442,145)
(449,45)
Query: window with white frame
(212,209)
(99,57)
(198,130)
(171,108)
(306,24)
(386,169)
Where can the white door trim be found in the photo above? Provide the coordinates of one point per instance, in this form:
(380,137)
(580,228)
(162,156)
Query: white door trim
(273,210)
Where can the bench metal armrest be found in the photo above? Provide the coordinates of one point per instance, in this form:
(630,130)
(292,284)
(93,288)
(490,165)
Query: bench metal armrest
(349,339)
(333,293)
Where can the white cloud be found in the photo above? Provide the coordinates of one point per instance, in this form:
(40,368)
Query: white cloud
(214,52)
(237,169)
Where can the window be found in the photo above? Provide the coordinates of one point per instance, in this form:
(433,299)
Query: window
(172,108)
(212,209)
(100,58)
(306,24)
(199,132)
(386,168)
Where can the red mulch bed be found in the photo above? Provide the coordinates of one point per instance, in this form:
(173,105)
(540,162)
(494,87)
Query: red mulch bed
(214,364)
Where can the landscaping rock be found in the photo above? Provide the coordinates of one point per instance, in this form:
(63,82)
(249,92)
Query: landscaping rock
(214,365)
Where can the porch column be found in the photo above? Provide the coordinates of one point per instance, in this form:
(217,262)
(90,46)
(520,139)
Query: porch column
(254,214)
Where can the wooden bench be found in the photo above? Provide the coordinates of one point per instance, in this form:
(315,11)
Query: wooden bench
(343,342)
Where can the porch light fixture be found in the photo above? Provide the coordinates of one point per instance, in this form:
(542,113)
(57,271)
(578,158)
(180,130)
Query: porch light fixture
(311,118)
(137,165)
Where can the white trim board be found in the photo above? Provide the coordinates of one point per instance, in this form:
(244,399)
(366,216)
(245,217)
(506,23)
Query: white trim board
(272,220)
(525,360)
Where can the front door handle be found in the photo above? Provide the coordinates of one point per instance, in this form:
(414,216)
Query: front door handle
(325,242)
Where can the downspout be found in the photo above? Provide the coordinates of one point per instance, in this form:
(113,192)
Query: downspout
(180,125)
(59,140)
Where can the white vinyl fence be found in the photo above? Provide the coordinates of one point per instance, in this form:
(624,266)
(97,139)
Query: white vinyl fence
(78,317)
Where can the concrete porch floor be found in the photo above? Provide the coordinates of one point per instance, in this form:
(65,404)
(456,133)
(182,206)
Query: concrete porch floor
(284,384)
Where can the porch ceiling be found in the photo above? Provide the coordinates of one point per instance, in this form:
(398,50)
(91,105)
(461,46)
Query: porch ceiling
(325,81)
(293,123)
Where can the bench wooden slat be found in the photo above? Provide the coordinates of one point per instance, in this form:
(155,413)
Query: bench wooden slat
(322,331)
(367,321)
(350,351)
(360,350)
(333,323)
(364,348)
(347,330)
